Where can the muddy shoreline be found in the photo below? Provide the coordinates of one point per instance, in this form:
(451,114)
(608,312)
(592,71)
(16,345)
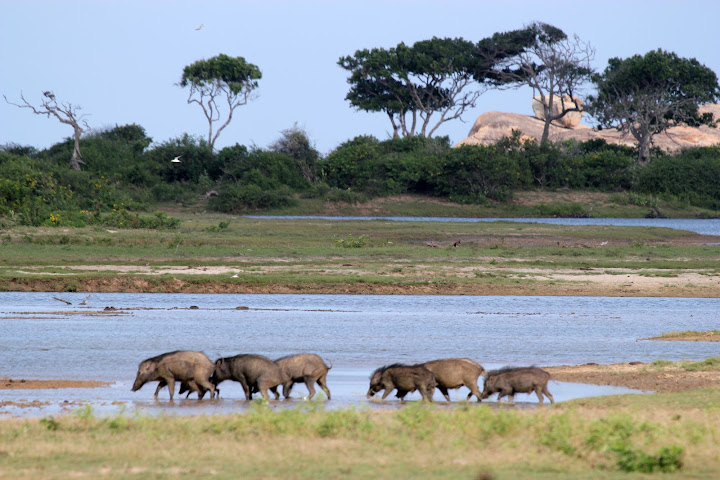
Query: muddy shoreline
(547,282)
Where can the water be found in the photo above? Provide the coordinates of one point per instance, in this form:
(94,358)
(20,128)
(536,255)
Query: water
(42,339)
(701,226)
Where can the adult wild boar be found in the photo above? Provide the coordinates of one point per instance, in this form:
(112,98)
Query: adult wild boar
(404,378)
(454,373)
(254,372)
(509,381)
(192,368)
(304,367)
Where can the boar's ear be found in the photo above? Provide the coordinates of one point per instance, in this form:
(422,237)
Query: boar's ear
(219,362)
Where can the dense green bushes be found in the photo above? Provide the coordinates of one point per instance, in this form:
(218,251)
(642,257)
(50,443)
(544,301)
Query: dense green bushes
(693,175)
(471,174)
(124,171)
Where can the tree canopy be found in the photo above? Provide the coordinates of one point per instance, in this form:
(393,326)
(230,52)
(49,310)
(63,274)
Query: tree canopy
(411,84)
(222,77)
(646,94)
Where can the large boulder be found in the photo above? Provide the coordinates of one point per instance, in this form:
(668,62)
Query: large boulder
(493,126)
(569,120)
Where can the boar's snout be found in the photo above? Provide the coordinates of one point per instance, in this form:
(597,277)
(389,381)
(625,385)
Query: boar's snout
(137,385)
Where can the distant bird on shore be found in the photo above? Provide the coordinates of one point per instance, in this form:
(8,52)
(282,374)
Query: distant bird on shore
(602,244)
(200,27)
(176,159)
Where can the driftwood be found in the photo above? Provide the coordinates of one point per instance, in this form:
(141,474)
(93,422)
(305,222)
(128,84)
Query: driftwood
(61,300)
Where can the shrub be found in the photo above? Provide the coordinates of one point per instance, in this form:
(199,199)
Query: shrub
(235,198)
(472,174)
(693,174)
(268,170)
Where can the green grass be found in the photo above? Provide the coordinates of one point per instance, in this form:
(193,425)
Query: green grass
(317,251)
(687,334)
(622,437)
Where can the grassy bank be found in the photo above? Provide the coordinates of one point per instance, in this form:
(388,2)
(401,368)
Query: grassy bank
(525,204)
(616,437)
(355,256)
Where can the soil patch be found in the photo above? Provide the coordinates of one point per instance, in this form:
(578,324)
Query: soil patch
(639,376)
(15,384)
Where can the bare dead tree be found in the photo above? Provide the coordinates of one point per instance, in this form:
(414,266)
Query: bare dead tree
(66,113)
(555,67)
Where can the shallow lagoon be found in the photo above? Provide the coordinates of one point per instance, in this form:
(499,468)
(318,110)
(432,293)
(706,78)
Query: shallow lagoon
(45,339)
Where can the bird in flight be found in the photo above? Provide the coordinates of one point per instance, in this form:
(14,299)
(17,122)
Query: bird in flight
(176,159)
(200,27)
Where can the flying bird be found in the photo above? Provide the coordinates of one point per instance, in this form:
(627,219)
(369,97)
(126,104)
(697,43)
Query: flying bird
(200,27)
(176,159)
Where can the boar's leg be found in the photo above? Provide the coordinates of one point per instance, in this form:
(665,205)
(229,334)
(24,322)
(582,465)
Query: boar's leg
(246,388)
(274,390)
(427,394)
(322,381)
(170,380)
(287,387)
(263,389)
(162,383)
(310,384)
(547,393)
(474,390)
(202,385)
(390,389)
(444,391)
(400,394)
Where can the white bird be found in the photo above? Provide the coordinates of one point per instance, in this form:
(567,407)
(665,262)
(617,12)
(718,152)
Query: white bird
(200,27)
(176,159)
(234,276)
(602,244)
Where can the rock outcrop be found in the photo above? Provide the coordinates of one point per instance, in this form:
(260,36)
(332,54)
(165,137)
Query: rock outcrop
(569,120)
(492,126)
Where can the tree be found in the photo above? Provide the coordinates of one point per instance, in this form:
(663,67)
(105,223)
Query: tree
(646,95)
(66,113)
(410,84)
(552,64)
(441,75)
(295,143)
(220,78)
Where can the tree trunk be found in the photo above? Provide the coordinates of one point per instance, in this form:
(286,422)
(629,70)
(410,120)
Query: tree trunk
(643,137)
(394,125)
(76,159)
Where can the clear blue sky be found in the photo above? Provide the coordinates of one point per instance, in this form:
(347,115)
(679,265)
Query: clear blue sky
(120,60)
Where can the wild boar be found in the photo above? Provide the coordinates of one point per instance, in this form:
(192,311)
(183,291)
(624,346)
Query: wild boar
(454,373)
(304,367)
(404,378)
(254,372)
(192,387)
(193,368)
(509,381)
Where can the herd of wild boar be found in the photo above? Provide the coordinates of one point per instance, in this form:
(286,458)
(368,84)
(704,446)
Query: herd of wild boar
(196,373)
